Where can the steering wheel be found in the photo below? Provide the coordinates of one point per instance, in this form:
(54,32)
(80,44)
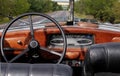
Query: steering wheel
(33,44)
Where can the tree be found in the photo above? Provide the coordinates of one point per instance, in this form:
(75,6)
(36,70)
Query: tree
(13,7)
(5,8)
(43,6)
(21,6)
(9,8)
(55,6)
(79,6)
(116,10)
(103,10)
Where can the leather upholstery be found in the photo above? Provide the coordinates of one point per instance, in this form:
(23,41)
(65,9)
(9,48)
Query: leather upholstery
(102,58)
(22,69)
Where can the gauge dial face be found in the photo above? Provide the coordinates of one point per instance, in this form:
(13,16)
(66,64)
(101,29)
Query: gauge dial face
(72,40)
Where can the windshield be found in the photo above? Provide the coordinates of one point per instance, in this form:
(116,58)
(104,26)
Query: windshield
(100,12)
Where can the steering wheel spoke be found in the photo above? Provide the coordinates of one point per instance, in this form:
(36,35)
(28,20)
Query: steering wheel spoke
(19,55)
(51,51)
(31,26)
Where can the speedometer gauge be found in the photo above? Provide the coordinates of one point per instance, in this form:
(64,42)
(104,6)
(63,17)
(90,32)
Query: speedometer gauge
(84,41)
(57,41)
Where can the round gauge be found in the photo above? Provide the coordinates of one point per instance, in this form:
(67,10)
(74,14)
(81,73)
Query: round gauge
(57,41)
(83,41)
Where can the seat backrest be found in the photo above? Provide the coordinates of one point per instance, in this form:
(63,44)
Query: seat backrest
(102,58)
(22,69)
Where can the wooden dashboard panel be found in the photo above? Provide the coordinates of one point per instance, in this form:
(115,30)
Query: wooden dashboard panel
(13,38)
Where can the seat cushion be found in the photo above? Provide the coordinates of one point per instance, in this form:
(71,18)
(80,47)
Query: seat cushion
(103,58)
(22,69)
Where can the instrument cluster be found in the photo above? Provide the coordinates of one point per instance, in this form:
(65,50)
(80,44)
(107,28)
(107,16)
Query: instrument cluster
(73,40)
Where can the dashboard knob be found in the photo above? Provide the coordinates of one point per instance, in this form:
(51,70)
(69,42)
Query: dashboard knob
(19,42)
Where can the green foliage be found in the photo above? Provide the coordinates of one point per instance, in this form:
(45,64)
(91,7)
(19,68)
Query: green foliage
(104,10)
(9,8)
(5,8)
(38,5)
(12,7)
(56,7)
(43,5)
(116,9)
(21,6)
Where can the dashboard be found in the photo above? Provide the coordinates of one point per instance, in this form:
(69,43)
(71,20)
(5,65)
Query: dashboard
(78,40)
